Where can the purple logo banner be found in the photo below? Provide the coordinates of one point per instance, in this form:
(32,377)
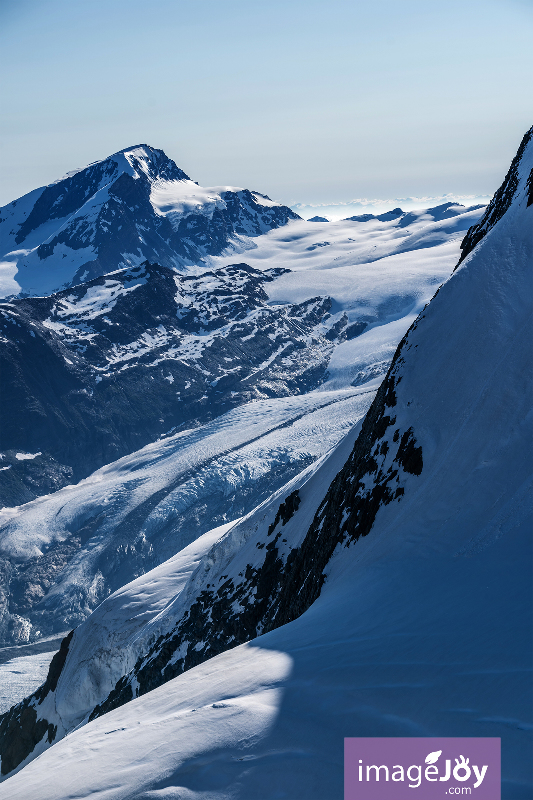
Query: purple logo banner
(414,768)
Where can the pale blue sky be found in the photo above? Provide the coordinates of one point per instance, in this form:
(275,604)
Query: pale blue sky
(306,101)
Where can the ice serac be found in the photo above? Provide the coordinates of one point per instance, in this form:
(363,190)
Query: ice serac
(133,206)
(401,594)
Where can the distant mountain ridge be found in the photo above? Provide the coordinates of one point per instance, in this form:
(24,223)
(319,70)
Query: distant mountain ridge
(133,206)
(437,213)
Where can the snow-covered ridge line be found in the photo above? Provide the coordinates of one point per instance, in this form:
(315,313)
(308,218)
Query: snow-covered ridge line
(501,200)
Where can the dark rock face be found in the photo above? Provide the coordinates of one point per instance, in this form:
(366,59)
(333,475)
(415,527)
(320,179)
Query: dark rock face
(23,480)
(20,732)
(55,668)
(530,189)
(64,198)
(97,371)
(499,203)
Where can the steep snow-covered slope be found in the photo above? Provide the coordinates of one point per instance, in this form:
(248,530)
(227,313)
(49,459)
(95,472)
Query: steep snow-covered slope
(135,205)
(423,624)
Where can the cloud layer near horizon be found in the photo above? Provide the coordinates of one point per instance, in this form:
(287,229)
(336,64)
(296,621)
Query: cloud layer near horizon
(336,211)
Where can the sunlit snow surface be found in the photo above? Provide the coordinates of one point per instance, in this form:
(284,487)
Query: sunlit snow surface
(423,628)
(301,245)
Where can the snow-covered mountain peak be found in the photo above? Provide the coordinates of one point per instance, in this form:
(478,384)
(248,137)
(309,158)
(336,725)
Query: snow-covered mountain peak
(138,161)
(152,163)
(133,206)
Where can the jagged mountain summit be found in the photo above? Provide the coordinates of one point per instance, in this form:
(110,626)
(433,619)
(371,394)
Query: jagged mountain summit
(390,598)
(134,206)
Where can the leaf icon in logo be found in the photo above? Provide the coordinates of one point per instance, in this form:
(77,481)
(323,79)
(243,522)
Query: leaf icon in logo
(433,757)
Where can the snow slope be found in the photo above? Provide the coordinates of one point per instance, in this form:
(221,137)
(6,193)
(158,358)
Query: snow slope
(423,625)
